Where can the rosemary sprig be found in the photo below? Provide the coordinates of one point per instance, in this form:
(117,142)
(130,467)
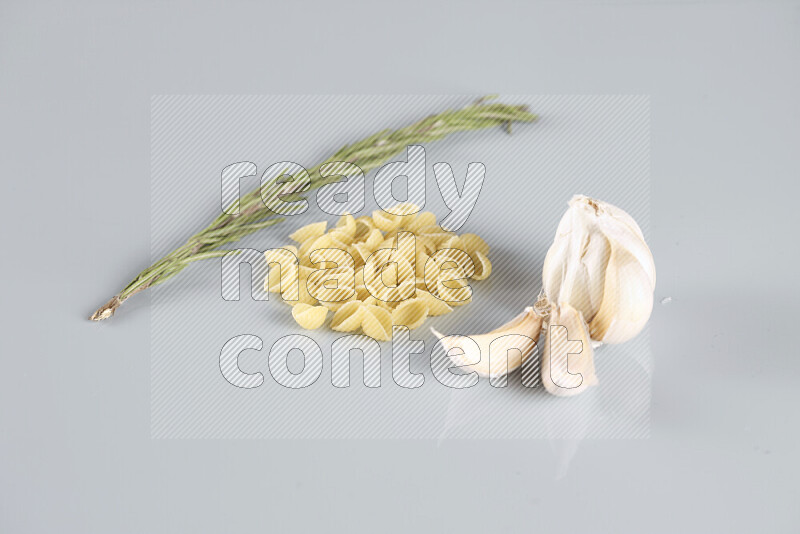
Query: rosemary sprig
(368,154)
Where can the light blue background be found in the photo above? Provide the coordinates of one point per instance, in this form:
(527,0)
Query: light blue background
(75,448)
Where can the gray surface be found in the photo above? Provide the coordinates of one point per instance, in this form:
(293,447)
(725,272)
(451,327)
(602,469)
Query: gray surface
(75,447)
(594,144)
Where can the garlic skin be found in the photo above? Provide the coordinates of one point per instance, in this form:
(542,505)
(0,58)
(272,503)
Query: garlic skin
(567,366)
(465,351)
(601,266)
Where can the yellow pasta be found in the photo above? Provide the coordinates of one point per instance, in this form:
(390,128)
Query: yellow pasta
(309,317)
(348,317)
(339,257)
(283,274)
(338,301)
(456,296)
(483,267)
(423,219)
(360,254)
(304,297)
(373,239)
(475,244)
(341,238)
(448,269)
(280,254)
(363,226)
(376,271)
(347,226)
(362,293)
(435,306)
(411,313)
(376,322)
(386,222)
(421,260)
(454,242)
(309,231)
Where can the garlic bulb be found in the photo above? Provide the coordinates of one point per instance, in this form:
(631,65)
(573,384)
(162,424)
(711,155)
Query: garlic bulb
(516,339)
(601,266)
(567,366)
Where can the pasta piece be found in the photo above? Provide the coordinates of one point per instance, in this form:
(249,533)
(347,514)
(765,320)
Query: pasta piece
(348,317)
(406,209)
(385,305)
(406,212)
(305,246)
(389,276)
(323,241)
(336,305)
(420,261)
(305,272)
(339,257)
(309,317)
(454,242)
(483,267)
(279,254)
(363,226)
(475,244)
(423,219)
(332,285)
(361,252)
(330,297)
(373,239)
(282,278)
(376,322)
(362,293)
(309,231)
(395,295)
(427,244)
(449,259)
(446,270)
(371,300)
(439,238)
(411,313)
(347,226)
(304,297)
(453,277)
(405,271)
(406,290)
(359,277)
(436,306)
(404,246)
(388,283)
(340,239)
(387,243)
(386,222)
(455,296)
(374,266)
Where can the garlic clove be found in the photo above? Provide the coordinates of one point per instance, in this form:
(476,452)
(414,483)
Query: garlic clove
(611,210)
(592,266)
(517,339)
(621,236)
(574,268)
(594,262)
(628,302)
(567,366)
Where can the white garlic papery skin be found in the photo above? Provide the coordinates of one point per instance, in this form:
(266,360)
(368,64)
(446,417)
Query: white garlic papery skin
(600,264)
(567,366)
(515,339)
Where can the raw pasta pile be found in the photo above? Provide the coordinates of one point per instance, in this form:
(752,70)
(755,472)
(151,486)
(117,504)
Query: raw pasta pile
(376,272)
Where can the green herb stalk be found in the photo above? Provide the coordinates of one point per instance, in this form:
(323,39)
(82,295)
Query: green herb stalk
(368,154)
